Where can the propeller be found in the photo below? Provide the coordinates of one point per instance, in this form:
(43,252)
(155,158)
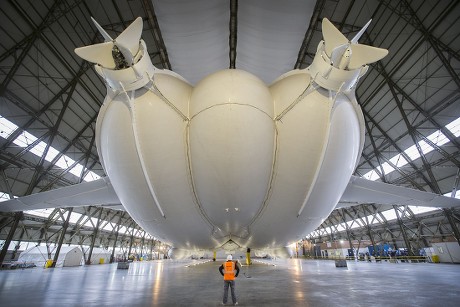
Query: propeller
(345,54)
(103,54)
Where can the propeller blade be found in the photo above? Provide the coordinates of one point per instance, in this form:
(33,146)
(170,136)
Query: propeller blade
(355,39)
(98,53)
(128,40)
(332,37)
(101,30)
(363,54)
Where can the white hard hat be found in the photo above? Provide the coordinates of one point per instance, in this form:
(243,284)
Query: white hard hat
(229,257)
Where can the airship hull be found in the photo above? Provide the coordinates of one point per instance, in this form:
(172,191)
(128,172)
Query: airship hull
(230,160)
(142,141)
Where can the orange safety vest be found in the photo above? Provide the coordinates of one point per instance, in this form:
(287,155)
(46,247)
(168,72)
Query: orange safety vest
(229,270)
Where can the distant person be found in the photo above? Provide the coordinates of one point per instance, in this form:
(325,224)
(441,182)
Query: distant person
(227,269)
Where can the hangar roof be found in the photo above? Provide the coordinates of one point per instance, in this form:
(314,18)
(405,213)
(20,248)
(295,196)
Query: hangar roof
(50,97)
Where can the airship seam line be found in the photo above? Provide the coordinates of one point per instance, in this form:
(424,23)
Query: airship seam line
(230,103)
(197,201)
(264,204)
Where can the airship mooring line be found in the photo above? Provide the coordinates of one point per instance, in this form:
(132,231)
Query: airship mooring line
(310,88)
(158,93)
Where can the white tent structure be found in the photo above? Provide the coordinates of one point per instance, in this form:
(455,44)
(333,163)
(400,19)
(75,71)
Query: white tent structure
(68,256)
(448,252)
(100,256)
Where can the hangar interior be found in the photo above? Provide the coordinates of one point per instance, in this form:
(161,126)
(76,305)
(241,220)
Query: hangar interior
(50,98)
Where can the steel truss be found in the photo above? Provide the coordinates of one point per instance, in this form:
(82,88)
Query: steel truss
(402,99)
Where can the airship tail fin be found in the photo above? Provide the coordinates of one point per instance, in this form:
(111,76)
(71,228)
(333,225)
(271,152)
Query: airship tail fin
(358,35)
(345,54)
(108,54)
(98,53)
(128,40)
(363,54)
(333,38)
(101,30)
(339,63)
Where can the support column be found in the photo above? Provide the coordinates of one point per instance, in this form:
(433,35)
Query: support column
(48,250)
(359,246)
(16,247)
(369,232)
(116,238)
(152,242)
(93,240)
(452,223)
(233,27)
(83,250)
(403,231)
(131,243)
(347,229)
(112,257)
(17,217)
(61,239)
(142,246)
(392,238)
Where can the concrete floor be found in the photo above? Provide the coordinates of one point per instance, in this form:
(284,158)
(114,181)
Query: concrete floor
(290,283)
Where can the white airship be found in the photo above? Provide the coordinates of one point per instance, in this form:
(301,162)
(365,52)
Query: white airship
(231,162)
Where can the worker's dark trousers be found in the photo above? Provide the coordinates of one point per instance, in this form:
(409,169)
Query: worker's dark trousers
(230,283)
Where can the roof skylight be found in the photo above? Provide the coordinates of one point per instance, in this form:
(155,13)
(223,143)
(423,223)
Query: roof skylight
(438,138)
(6,127)
(389,215)
(25,139)
(4,196)
(454,127)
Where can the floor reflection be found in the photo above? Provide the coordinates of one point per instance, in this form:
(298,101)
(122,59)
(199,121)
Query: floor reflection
(296,275)
(157,283)
(292,282)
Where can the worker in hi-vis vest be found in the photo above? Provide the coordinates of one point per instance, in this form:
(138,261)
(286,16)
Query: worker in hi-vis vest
(227,269)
